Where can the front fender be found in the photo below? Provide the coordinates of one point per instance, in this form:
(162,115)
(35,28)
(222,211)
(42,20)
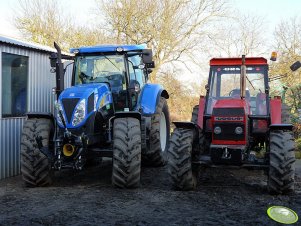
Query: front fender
(45,115)
(149,98)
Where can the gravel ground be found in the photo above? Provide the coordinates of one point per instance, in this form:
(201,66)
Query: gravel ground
(223,197)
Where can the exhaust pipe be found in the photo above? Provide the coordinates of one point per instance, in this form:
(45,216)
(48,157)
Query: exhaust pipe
(243,76)
(59,70)
(68,150)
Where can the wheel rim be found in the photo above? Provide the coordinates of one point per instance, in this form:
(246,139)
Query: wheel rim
(163,131)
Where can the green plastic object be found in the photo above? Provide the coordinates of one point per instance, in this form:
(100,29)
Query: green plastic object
(282,215)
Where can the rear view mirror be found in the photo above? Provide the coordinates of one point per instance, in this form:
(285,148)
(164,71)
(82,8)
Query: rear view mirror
(147,58)
(295,66)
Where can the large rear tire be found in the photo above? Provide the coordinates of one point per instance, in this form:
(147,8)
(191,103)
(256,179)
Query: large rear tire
(180,168)
(126,153)
(282,162)
(35,166)
(155,153)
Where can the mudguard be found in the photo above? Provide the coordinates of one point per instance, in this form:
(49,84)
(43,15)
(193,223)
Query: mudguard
(40,115)
(288,127)
(188,125)
(149,98)
(128,114)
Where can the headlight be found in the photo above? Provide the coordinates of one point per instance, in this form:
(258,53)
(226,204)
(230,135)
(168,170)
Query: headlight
(238,130)
(59,108)
(217,130)
(80,113)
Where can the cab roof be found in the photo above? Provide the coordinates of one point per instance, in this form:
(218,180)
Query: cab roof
(107,48)
(237,61)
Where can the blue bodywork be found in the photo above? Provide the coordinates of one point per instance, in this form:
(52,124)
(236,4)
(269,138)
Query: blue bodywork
(102,97)
(107,48)
(149,98)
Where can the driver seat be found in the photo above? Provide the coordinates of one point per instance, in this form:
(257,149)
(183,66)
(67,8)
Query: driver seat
(235,93)
(116,83)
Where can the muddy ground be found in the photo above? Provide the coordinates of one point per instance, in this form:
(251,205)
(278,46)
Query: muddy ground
(224,197)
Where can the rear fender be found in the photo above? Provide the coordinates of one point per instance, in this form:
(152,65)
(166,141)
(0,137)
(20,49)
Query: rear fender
(275,105)
(201,112)
(188,125)
(149,98)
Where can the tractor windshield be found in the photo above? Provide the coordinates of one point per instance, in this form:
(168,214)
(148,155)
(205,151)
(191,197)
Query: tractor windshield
(225,84)
(100,68)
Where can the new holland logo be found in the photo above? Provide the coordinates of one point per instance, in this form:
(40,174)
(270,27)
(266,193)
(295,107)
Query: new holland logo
(228,118)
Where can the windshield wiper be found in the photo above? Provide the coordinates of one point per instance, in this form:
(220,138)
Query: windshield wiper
(250,82)
(110,61)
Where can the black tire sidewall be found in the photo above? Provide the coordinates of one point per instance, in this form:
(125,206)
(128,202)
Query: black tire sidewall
(166,114)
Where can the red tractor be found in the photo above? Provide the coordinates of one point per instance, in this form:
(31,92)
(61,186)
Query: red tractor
(234,121)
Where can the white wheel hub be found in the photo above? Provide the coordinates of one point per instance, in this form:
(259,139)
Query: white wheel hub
(163,131)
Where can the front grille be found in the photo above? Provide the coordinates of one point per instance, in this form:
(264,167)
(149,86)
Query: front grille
(228,131)
(69,104)
(228,112)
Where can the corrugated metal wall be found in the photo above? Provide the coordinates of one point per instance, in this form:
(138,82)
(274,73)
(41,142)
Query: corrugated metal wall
(39,99)
(10,131)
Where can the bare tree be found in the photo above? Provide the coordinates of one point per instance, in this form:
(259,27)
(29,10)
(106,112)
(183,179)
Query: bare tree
(182,98)
(45,22)
(288,44)
(242,34)
(172,28)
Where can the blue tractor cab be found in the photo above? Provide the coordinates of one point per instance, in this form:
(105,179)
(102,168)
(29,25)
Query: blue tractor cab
(110,110)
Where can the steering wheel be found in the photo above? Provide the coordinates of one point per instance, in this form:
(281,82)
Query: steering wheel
(234,92)
(102,74)
(84,77)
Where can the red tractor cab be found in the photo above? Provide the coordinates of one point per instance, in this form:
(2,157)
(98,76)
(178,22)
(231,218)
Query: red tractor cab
(234,121)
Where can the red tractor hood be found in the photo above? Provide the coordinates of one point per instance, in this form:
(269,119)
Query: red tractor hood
(232,103)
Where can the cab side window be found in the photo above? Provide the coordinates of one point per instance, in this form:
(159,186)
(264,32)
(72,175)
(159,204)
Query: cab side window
(136,74)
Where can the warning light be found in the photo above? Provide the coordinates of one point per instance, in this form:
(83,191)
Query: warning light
(273,56)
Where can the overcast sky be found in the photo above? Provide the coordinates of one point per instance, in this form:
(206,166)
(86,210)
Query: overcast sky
(273,10)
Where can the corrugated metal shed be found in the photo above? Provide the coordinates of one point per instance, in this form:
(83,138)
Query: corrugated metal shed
(39,98)
(27,45)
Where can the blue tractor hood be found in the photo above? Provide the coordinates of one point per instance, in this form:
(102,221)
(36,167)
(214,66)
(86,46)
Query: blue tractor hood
(84,100)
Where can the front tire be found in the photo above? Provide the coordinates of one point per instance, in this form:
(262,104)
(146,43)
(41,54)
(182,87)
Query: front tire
(282,162)
(154,154)
(126,153)
(180,168)
(35,166)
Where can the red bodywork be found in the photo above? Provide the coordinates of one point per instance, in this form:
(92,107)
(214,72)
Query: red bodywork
(231,103)
(237,61)
(275,104)
(201,111)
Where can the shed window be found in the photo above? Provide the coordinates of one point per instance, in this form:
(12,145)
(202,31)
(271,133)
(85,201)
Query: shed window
(14,85)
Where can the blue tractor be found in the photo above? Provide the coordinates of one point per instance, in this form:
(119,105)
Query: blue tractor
(109,111)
